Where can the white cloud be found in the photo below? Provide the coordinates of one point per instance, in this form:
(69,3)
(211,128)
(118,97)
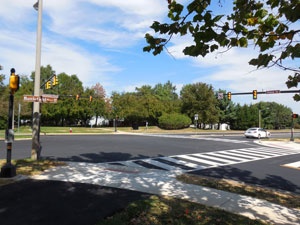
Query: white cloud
(89,37)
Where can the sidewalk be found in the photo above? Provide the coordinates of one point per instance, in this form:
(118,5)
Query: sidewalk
(116,186)
(164,183)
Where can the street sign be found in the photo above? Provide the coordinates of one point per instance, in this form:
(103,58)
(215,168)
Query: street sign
(196,116)
(220,95)
(41,99)
(273,92)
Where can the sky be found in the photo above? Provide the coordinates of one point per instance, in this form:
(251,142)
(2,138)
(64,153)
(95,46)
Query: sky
(101,41)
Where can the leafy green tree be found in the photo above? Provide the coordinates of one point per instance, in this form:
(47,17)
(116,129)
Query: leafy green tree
(227,109)
(246,117)
(274,115)
(3,102)
(98,102)
(67,111)
(270,26)
(293,82)
(199,98)
(166,93)
(128,106)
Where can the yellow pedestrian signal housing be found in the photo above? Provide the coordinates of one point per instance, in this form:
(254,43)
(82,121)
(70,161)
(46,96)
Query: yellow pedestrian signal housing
(229,96)
(77,97)
(91,98)
(55,80)
(254,94)
(295,116)
(48,84)
(13,81)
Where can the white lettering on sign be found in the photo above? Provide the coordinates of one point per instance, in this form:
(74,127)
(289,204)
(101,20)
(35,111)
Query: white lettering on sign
(273,92)
(41,99)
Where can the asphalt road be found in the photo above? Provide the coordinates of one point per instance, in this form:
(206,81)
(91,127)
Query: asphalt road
(119,147)
(109,148)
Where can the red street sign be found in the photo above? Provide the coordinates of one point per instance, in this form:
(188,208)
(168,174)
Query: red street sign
(41,99)
(273,92)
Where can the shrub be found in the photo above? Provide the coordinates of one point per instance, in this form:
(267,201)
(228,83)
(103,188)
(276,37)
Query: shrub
(174,121)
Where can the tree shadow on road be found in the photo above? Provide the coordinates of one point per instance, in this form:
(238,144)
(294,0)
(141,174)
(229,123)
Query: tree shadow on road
(270,180)
(102,157)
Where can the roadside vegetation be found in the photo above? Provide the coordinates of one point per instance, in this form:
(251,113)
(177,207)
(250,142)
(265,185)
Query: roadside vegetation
(159,105)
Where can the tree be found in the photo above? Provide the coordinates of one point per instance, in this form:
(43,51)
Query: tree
(67,110)
(227,109)
(98,102)
(128,106)
(168,97)
(199,98)
(269,25)
(274,115)
(4,93)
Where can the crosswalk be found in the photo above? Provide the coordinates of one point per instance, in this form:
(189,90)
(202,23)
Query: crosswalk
(205,160)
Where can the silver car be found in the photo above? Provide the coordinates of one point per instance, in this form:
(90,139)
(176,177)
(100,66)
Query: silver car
(257,132)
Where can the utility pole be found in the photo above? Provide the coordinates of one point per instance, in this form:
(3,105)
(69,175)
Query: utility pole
(36,148)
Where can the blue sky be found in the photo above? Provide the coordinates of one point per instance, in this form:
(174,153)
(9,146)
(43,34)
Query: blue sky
(101,41)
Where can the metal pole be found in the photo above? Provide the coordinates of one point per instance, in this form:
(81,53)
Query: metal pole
(259,118)
(292,130)
(35,151)
(9,170)
(19,111)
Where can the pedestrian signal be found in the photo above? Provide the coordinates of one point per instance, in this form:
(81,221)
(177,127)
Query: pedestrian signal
(295,116)
(13,81)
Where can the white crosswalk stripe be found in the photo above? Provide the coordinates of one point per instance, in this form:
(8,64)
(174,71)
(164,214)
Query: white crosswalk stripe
(199,161)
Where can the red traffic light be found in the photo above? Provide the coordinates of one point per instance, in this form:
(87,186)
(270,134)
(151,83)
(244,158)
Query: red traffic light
(295,115)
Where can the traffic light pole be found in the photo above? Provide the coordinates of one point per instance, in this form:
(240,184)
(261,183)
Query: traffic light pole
(292,130)
(9,170)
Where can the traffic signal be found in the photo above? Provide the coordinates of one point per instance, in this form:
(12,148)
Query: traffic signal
(55,80)
(229,96)
(91,98)
(77,97)
(254,94)
(295,115)
(13,81)
(48,84)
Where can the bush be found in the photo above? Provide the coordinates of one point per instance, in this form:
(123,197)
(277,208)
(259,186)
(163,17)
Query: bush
(174,121)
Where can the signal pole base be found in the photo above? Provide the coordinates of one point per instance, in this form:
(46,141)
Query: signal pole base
(8,170)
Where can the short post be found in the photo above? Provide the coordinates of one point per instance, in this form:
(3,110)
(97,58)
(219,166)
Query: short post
(70,130)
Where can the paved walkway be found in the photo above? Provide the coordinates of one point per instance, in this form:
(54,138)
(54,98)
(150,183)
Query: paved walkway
(164,183)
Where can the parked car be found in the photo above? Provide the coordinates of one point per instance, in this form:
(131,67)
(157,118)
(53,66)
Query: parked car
(257,132)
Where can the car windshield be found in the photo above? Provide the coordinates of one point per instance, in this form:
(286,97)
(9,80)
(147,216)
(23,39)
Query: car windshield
(252,129)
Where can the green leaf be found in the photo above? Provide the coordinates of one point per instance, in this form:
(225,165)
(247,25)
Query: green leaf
(243,42)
